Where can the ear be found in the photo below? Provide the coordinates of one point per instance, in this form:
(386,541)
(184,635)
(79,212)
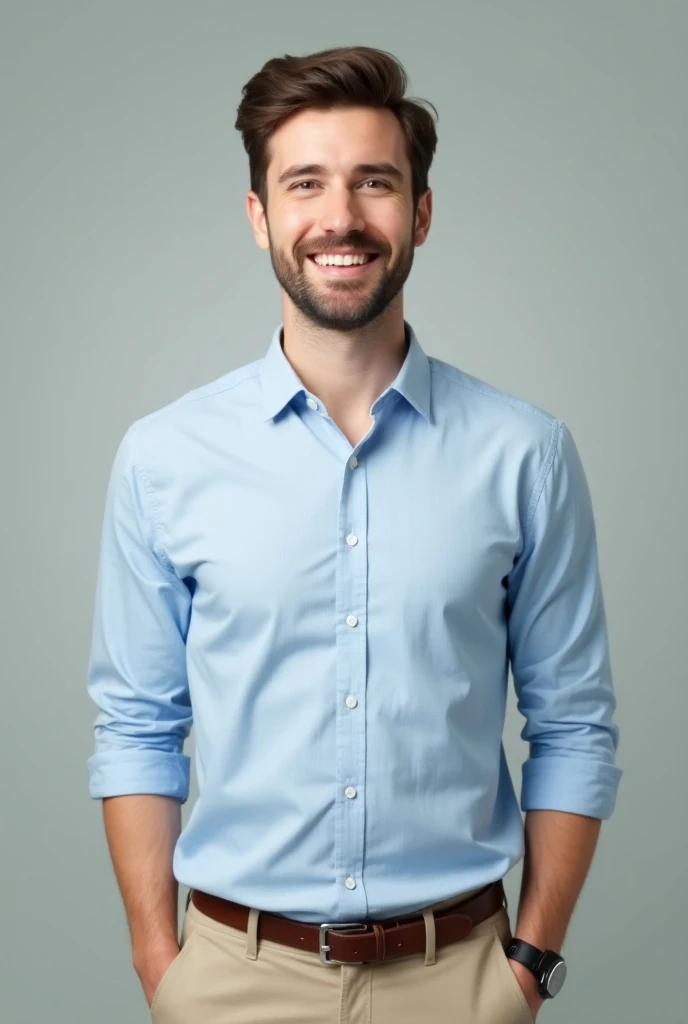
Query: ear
(256,214)
(423,217)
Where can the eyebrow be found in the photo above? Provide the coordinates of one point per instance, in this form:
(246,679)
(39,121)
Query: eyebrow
(297,170)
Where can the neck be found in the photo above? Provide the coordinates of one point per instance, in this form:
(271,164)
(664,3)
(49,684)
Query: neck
(347,370)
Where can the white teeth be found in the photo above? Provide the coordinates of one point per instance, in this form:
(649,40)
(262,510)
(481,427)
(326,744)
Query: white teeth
(337,260)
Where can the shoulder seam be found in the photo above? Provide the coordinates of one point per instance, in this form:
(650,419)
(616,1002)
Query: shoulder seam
(191,397)
(156,518)
(511,400)
(545,470)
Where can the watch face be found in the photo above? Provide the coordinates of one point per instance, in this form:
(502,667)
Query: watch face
(555,978)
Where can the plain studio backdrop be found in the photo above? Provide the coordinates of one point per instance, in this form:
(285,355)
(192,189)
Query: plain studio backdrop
(555,269)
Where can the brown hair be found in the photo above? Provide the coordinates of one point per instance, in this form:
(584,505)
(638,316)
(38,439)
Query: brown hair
(344,76)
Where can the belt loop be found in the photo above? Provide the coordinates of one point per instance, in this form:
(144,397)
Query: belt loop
(506,902)
(188,900)
(252,933)
(429,919)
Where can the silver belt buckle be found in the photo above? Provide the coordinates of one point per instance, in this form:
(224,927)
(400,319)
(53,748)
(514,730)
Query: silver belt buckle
(337,926)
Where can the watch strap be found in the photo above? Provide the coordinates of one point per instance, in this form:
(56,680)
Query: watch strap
(548,967)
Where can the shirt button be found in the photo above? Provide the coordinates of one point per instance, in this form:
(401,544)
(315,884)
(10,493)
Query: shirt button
(350,883)
(351,620)
(352,539)
(312,403)
(353,462)
(351,701)
(350,792)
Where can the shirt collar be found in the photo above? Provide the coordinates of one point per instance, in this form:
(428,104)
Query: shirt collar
(280,382)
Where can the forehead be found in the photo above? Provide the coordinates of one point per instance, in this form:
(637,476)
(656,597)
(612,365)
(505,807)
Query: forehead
(338,139)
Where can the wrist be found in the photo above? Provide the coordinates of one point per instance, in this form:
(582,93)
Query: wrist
(547,969)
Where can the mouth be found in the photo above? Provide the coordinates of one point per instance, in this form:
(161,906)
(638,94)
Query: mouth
(339,270)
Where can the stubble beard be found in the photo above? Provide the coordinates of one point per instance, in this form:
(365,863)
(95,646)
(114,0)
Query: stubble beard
(337,304)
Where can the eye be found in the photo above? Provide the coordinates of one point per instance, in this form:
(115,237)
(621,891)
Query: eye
(296,187)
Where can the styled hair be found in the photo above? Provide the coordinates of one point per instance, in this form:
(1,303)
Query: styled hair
(345,76)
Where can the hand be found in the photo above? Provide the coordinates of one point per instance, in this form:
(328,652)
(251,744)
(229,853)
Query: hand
(528,983)
(151,967)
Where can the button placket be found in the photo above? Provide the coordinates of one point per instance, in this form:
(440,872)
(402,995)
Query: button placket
(351,603)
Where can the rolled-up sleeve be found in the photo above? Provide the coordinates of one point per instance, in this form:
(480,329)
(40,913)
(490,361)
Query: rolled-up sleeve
(558,645)
(137,665)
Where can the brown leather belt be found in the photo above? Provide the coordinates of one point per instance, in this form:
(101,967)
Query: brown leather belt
(360,942)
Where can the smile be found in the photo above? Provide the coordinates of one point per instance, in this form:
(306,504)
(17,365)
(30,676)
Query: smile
(343,265)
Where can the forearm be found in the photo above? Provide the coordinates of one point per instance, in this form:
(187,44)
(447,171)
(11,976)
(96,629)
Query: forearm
(559,848)
(142,831)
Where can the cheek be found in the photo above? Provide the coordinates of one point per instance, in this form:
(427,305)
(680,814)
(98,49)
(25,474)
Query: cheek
(294,221)
(392,224)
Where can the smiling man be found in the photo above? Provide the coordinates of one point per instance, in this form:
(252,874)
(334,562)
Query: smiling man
(341,210)
(326,561)
(355,223)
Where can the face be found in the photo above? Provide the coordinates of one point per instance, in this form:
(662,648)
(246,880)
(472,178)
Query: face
(339,182)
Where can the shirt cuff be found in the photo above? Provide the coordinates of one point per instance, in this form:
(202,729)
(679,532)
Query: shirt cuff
(574,784)
(124,772)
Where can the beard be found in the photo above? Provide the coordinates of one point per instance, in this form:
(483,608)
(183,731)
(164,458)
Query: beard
(337,304)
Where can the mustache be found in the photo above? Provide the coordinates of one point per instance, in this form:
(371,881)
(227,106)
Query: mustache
(335,245)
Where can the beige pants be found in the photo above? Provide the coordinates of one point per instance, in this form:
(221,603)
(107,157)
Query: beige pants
(223,975)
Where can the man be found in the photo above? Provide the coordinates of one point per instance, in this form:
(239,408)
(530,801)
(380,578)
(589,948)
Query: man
(326,560)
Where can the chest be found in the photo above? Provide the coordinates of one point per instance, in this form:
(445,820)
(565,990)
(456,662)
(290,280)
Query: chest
(302,536)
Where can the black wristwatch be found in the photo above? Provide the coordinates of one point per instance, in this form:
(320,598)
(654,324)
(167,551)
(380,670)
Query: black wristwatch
(548,967)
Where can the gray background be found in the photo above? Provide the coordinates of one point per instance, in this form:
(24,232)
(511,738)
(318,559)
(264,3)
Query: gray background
(555,269)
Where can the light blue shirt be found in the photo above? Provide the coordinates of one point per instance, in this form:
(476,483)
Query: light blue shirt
(338,623)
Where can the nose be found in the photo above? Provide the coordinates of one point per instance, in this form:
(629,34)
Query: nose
(340,211)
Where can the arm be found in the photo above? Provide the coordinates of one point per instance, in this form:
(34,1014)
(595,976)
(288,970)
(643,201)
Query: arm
(559,852)
(137,678)
(558,645)
(559,653)
(142,831)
